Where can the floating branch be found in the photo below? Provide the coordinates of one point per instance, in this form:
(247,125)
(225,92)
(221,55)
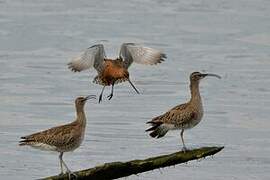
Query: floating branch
(116,170)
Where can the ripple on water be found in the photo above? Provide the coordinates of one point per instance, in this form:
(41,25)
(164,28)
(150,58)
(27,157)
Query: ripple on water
(37,40)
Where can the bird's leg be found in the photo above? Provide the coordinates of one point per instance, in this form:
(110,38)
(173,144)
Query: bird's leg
(61,164)
(100,96)
(70,173)
(182,138)
(133,86)
(111,95)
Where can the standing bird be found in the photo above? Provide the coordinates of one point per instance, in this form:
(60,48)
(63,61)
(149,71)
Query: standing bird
(63,138)
(183,116)
(111,72)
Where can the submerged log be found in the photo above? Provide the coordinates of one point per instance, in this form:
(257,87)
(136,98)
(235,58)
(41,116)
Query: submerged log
(116,170)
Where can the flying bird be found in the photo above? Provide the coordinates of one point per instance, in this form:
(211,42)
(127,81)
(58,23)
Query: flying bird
(114,71)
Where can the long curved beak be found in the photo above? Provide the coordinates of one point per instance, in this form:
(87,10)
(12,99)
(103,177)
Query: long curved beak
(90,97)
(214,75)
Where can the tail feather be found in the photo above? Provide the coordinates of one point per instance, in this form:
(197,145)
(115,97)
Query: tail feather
(22,144)
(25,141)
(158,129)
(151,128)
(154,125)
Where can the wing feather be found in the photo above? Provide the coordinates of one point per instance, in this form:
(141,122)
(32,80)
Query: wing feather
(56,136)
(131,52)
(91,57)
(177,114)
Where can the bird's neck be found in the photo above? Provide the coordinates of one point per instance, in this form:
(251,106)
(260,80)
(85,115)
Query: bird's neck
(195,92)
(81,118)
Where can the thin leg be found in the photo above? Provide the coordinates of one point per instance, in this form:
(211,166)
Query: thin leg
(61,164)
(111,95)
(68,170)
(133,86)
(100,96)
(182,138)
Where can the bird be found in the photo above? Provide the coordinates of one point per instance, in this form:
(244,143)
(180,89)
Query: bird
(64,138)
(114,71)
(183,116)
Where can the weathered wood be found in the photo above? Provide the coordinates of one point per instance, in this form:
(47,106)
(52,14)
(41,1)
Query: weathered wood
(116,170)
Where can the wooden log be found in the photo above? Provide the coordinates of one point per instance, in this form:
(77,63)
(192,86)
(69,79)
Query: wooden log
(116,170)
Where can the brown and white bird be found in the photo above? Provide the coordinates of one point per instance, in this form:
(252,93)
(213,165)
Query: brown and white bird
(63,138)
(111,72)
(183,116)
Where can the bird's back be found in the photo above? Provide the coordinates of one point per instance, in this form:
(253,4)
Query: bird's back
(61,138)
(172,114)
(181,116)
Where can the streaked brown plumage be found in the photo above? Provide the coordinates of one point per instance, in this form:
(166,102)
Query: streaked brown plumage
(63,138)
(184,116)
(111,72)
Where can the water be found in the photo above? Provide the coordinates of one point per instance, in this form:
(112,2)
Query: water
(230,38)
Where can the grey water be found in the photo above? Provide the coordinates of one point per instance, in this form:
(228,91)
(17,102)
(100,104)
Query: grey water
(37,91)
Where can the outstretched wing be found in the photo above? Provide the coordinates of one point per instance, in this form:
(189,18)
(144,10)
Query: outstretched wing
(130,52)
(91,57)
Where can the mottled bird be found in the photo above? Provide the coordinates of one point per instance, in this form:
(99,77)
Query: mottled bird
(183,116)
(111,72)
(63,138)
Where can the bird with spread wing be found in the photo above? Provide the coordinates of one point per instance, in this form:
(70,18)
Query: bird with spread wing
(111,72)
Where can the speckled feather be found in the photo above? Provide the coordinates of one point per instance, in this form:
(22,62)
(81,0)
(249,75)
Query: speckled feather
(63,138)
(60,138)
(183,116)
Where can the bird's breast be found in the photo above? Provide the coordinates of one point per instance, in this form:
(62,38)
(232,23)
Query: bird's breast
(197,117)
(113,72)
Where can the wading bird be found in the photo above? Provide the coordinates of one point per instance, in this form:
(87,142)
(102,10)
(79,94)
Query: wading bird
(111,72)
(184,116)
(63,138)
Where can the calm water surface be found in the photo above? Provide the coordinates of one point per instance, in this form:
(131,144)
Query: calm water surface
(230,38)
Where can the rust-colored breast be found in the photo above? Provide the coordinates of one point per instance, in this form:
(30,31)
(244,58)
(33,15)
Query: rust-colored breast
(113,71)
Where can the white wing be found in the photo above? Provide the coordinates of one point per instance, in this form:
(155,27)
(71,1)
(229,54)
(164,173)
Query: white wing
(91,57)
(130,52)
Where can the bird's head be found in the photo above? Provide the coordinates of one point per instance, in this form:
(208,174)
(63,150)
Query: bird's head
(197,76)
(80,101)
